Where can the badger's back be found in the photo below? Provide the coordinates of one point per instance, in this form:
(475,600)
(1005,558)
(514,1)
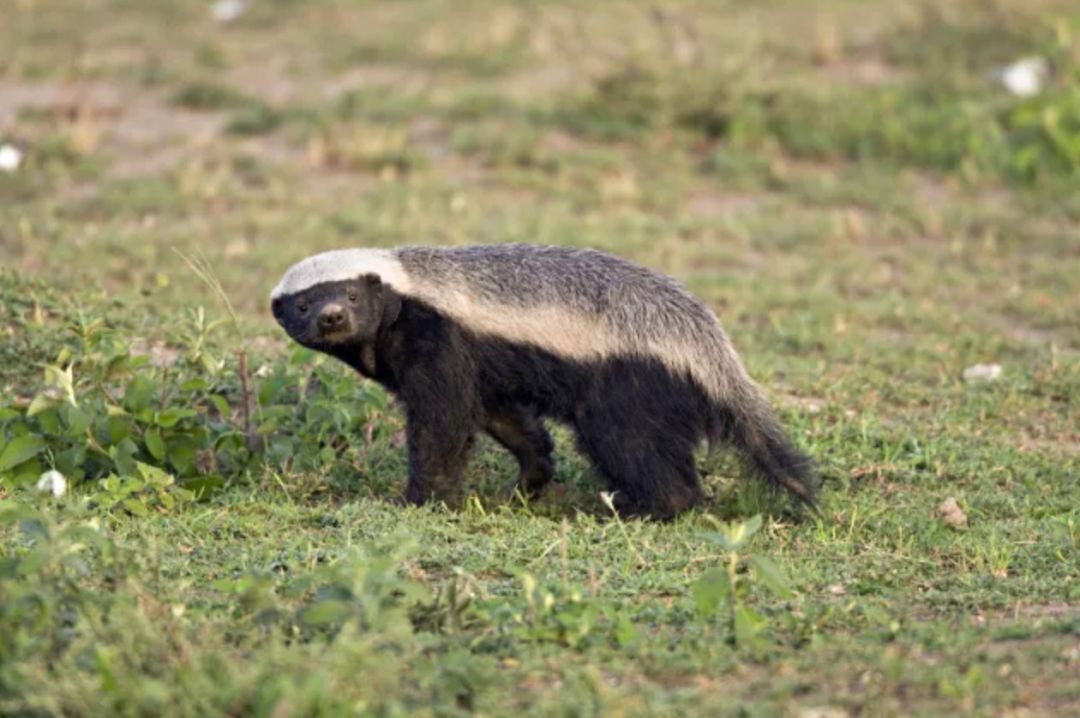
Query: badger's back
(579,303)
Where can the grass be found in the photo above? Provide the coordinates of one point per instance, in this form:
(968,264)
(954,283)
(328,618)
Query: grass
(866,209)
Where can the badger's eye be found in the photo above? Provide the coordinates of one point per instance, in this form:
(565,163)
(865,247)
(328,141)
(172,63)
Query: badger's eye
(302,308)
(352,296)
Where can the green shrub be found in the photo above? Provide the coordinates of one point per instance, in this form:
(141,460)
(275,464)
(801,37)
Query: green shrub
(89,627)
(921,125)
(1044,134)
(149,432)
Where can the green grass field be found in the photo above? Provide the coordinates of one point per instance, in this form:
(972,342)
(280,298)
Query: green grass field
(846,183)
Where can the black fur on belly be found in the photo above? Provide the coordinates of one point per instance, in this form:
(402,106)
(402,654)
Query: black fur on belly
(637,422)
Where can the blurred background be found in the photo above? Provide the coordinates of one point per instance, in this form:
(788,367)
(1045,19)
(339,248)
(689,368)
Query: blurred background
(816,171)
(881,201)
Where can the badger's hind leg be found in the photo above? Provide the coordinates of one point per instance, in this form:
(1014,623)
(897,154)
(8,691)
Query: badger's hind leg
(521,432)
(639,427)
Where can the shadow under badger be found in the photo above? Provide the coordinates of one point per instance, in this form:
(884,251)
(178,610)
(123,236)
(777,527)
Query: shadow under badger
(496,338)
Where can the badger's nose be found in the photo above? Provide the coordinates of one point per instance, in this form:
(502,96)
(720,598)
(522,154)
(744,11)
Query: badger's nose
(331,317)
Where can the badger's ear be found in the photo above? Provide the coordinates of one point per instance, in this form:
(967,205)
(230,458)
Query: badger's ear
(386,298)
(391,306)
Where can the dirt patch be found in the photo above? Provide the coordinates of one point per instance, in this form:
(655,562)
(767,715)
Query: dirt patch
(150,136)
(863,72)
(268,80)
(706,204)
(370,75)
(60,99)
(139,133)
(542,80)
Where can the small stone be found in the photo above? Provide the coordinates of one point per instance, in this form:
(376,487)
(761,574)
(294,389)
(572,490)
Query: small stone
(952,514)
(52,482)
(982,372)
(837,589)
(10,158)
(229,10)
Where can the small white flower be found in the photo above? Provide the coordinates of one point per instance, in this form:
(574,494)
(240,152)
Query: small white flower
(229,10)
(1026,76)
(10,158)
(52,482)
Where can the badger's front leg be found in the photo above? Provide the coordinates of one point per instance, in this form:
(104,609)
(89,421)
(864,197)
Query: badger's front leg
(438,453)
(443,415)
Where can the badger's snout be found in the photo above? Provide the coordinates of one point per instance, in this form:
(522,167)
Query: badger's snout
(332,319)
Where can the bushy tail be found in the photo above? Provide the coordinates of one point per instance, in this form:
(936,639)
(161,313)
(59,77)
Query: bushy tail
(747,421)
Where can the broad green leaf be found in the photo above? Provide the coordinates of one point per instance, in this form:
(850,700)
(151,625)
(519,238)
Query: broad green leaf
(181,451)
(119,429)
(139,393)
(194,384)
(748,626)
(25,474)
(123,455)
(154,474)
(20,449)
(709,590)
(221,405)
(42,402)
(771,576)
(78,421)
(136,507)
(154,443)
(49,422)
(269,388)
(70,461)
(740,533)
(172,416)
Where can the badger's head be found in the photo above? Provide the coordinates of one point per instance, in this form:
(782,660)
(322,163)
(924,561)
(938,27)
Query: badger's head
(335,301)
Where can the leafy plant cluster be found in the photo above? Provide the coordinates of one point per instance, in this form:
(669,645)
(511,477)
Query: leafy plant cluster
(724,590)
(86,621)
(917,123)
(147,429)
(552,612)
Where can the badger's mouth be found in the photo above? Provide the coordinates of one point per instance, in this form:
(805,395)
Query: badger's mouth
(337,335)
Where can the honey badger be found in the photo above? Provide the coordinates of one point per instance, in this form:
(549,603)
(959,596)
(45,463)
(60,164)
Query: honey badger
(496,338)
